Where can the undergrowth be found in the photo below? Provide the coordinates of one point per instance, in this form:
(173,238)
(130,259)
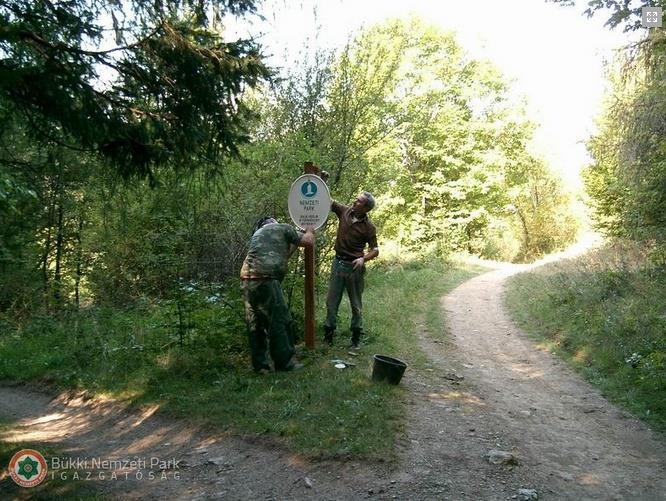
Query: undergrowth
(191,357)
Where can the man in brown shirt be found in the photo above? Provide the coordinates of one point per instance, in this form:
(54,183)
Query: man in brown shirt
(355,232)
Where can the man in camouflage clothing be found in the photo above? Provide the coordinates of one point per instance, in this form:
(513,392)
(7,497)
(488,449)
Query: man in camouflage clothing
(266,312)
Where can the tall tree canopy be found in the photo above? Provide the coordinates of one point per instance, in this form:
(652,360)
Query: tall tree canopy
(402,111)
(625,13)
(405,112)
(141,83)
(454,150)
(627,180)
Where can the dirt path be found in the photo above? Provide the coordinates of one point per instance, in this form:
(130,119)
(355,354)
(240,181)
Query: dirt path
(488,388)
(573,443)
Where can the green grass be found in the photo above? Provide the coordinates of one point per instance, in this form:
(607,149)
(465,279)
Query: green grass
(605,313)
(320,411)
(51,487)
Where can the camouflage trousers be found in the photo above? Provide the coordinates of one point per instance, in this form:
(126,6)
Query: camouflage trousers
(268,323)
(345,277)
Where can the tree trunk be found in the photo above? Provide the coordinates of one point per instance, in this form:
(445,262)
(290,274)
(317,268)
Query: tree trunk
(57,283)
(79,258)
(468,232)
(526,233)
(47,247)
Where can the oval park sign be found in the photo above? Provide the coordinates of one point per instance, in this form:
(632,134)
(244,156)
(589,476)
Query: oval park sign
(309,201)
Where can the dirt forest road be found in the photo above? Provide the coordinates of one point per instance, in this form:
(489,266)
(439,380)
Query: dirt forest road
(492,418)
(571,441)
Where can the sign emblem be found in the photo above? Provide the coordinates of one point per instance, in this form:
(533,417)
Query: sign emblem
(309,189)
(28,468)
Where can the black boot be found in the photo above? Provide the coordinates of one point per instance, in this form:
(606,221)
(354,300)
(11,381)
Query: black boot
(356,338)
(328,335)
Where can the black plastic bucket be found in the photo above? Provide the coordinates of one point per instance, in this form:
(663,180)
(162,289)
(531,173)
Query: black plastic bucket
(388,369)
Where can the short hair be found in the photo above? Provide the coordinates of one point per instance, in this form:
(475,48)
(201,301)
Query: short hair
(262,222)
(369,200)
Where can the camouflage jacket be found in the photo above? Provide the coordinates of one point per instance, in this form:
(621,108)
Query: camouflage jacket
(269,252)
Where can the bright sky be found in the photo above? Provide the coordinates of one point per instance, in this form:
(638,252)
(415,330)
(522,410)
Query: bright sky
(554,55)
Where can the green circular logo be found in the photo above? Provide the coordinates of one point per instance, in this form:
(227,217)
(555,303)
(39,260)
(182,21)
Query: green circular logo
(28,468)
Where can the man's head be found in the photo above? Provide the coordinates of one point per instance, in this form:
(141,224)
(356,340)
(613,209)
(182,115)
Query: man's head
(263,222)
(364,203)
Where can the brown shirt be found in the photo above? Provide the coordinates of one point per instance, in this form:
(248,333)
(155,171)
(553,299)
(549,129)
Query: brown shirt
(353,234)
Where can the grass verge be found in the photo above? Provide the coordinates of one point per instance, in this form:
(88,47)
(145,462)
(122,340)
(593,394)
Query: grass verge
(605,314)
(192,359)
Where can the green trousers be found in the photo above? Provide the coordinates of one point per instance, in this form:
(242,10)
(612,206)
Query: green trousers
(344,277)
(268,324)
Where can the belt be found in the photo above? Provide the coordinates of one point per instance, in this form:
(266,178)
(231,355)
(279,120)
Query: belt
(346,259)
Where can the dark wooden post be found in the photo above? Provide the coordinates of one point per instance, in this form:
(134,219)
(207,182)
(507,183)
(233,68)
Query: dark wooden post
(310,168)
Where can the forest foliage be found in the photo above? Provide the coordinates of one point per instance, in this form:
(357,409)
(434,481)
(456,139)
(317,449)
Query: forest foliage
(627,179)
(138,146)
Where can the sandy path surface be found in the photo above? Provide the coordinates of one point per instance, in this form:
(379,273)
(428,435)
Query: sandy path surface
(575,443)
(488,388)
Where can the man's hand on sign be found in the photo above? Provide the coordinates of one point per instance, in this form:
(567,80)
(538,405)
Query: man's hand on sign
(358,263)
(308,237)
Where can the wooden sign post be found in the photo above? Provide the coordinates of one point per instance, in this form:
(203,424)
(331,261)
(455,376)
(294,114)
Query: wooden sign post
(310,168)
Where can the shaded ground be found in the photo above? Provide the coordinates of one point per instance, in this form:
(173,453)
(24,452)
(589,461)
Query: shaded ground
(488,387)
